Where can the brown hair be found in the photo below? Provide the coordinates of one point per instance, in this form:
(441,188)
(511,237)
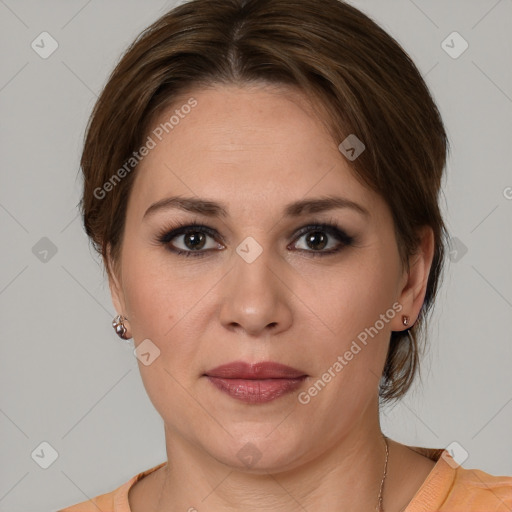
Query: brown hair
(330,51)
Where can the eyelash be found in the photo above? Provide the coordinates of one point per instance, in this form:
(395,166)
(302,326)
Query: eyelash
(332,228)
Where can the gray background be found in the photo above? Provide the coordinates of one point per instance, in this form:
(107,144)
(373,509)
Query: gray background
(67,379)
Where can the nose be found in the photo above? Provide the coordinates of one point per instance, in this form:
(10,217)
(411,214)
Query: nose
(256,295)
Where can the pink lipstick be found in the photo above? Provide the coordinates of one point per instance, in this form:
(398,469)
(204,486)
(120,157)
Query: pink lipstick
(256,383)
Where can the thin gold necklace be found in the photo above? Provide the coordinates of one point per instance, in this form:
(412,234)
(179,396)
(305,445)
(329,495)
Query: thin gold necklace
(379,507)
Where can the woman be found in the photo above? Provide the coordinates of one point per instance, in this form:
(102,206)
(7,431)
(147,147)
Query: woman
(261,179)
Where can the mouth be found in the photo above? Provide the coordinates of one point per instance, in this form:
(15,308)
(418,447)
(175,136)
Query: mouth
(257,382)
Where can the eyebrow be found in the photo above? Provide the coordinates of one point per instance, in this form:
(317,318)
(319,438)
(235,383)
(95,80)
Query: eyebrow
(215,209)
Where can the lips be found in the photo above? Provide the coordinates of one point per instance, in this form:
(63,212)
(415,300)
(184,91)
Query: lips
(256,383)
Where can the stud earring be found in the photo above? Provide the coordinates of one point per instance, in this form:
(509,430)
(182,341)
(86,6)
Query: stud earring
(119,326)
(405,319)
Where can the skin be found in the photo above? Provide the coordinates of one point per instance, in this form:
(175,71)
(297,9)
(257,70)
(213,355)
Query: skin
(256,149)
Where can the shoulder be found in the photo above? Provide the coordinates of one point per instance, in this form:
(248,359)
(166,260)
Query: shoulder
(104,502)
(450,487)
(114,501)
(482,491)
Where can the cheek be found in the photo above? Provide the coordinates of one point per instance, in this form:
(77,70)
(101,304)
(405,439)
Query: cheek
(155,295)
(165,305)
(160,310)
(342,300)
(352,314)
(150,302)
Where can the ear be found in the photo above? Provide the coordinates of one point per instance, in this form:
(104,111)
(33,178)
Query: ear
(115,284)
(413,286)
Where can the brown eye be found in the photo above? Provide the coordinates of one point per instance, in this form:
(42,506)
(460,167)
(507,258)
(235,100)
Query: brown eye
(316,240)
(194,240)
(191,240)
(324,239)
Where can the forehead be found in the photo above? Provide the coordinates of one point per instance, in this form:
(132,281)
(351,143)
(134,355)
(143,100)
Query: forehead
(245,145)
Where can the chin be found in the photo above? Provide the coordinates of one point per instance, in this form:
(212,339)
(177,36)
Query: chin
(258,452)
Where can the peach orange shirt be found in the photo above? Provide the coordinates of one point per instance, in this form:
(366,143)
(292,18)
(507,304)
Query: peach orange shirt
(447,488)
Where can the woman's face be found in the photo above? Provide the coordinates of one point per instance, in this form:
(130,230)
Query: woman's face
(252,286)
